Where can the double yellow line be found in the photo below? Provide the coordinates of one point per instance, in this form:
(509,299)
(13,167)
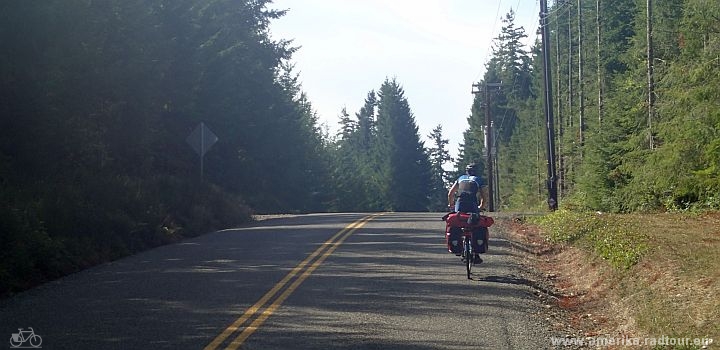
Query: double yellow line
(304,269)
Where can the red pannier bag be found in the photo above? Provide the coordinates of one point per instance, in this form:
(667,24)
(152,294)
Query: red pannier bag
(454,222)
(463,219)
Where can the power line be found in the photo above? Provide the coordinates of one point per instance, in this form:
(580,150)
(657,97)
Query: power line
(492,37)
(553,15)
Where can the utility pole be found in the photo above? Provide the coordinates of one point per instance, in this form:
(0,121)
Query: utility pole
(560,102)
(650,79)
(599,66)
(581,84)
(552,180)
(490,150)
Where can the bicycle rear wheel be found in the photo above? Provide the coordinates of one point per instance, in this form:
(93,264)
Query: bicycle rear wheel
(469,258)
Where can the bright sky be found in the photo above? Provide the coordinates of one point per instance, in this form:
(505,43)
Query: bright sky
(436,49)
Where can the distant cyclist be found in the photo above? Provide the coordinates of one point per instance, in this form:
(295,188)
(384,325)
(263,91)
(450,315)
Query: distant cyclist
(472,197)
(472,192)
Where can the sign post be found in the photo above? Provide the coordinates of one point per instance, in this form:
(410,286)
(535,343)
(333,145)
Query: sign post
(201,139)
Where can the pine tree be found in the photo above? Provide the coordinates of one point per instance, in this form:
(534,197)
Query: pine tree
(348,184)
(355,167)
(368,167)
(441,179)
(404,168)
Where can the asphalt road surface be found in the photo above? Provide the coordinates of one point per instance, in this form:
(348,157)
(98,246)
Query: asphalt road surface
(320,281)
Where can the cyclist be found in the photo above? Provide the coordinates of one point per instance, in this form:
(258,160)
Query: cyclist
(472,198)
(473,192)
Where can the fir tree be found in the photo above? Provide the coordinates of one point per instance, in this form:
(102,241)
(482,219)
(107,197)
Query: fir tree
(404,168)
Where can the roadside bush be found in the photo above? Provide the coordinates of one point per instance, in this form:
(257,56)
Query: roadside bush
(564,226)
(611,236)
(29,254)
(64,226)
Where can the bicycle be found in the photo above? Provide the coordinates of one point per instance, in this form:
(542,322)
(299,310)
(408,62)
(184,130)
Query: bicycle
(467,222)
(468,254)
(17,339)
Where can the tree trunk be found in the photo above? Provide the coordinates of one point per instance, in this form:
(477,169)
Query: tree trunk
(650,79)
(581,95)
(560,105)
(599,65)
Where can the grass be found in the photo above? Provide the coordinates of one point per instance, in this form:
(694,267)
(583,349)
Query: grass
(677,287)
(620,241)
(662,270)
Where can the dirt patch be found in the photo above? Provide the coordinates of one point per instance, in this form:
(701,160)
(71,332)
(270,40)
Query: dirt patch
(575,288)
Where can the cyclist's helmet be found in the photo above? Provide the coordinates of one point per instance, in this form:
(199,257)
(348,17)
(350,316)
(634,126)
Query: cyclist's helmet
(470,169)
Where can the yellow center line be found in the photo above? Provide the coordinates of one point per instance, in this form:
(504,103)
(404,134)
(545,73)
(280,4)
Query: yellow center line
(331,244)
(275,305)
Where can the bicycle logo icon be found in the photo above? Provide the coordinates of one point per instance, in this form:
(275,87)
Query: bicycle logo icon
(21,337)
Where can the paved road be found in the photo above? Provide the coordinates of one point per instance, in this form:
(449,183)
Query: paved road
(334,281)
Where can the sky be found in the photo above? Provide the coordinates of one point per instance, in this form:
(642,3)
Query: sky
(435,49)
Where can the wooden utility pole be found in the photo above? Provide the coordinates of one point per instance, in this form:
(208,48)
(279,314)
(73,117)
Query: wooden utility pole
(581,92)
(560,102)
(490,151)
(552,180)
(650,79)
(599,65)
(565,153)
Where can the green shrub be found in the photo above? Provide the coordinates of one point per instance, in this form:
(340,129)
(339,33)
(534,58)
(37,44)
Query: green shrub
(613,237)
(73,223)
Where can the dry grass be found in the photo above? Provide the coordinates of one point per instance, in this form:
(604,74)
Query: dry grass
(676,288)
(673,290)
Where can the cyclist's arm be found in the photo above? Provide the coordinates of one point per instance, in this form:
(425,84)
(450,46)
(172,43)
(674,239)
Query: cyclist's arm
(483,195)
(451,194)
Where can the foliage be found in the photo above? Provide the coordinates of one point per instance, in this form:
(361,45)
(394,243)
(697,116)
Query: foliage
(441,179)
(96,101)
(98,97)
(403,164)
(613,237)
(356,186)
(380,163)
(613,152)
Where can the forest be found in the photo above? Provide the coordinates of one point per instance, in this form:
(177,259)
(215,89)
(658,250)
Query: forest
(98,100)
(635,95)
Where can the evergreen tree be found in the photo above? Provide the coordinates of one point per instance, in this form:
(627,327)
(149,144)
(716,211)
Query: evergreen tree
(366,122)
(617,170)
(441,180)
(472,150)
(355,173)
(404,168)
(368,165)
(510,66)
(97,99)
(348,182)
(512,60)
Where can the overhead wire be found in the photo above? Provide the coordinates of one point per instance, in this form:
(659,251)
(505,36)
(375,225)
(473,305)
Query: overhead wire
(502,120)
(498,128)
(563,7)
(556,13)
(494,28)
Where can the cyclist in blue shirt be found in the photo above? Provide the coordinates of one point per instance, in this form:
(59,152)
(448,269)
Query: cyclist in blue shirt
(472,197)
(472,192)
